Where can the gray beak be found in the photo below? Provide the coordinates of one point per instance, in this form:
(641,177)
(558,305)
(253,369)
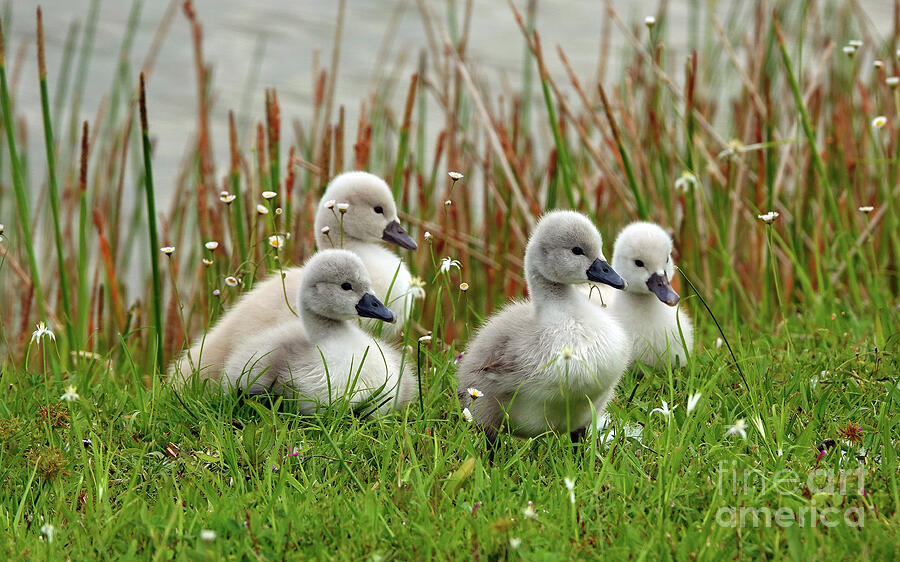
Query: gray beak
(395,234)
(601,272)
(370,307)
(661,288)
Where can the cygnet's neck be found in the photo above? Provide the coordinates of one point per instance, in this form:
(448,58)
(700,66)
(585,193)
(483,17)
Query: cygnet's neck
(333,241)
(319,327)
(544,292)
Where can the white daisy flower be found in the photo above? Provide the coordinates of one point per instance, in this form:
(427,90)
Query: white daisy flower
(892,81)
(269,195)
(866,209)
(226,197)
(467,415)
(692,402)
(879,122)
(464,287)
(650,21)
(207,262)
(686,180)
(425,339)
(330,204)
(276,241)
(474,393)
(739,428)
(664,411)
(417,288)
(70,394)
(528,512)
(447,264)
(40,331)
(207,535)
(769,217)
(570,486)
(231,281)
(47,530)
(455,176)
(343,207)
(262,210)
(167,250)
(427,236)
(515,543)
(211,245)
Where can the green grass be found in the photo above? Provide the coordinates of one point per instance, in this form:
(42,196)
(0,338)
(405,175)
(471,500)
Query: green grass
(160,468)
(808,305)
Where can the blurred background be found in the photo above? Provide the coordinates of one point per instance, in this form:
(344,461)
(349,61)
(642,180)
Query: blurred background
(274,43)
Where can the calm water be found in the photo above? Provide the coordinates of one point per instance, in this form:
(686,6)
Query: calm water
(289,33)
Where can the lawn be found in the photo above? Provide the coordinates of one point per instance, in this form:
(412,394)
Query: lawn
(779,439)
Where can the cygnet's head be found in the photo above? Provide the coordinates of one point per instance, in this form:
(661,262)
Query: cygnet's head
(565,247)
(336,285)
(643,256)
(367,207)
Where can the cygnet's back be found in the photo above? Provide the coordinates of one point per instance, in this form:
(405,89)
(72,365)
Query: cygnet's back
(550,361)
(324,356)
(370,217)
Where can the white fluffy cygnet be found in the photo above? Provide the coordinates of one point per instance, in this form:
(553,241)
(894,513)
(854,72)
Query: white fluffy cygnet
(551,361)
(324,356)
(357,203)
(648,308)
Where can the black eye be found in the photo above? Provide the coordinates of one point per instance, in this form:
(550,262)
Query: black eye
(577,251)
(639,263)
(379,210)
(346,286)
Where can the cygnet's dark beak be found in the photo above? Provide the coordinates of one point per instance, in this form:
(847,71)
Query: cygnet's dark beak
(370,307)
(661,288)
(601,272)
(395,234)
